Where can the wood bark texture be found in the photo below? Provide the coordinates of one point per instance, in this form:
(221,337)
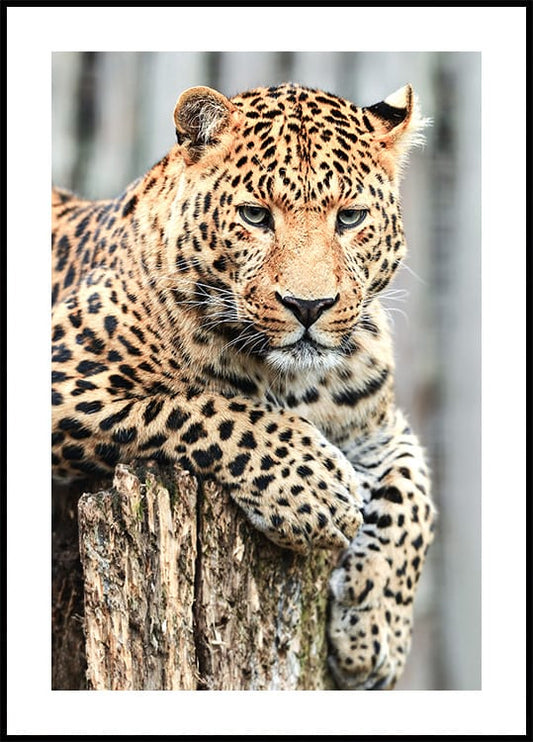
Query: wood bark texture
(68,643)
(182,593)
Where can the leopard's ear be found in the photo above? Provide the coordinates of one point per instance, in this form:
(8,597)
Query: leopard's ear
(397,124)
(200,116)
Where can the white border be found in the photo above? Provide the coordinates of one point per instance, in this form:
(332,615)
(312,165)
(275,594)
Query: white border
(499,33)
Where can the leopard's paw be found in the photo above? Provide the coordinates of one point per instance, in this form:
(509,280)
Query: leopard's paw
(307,502)
(369,633)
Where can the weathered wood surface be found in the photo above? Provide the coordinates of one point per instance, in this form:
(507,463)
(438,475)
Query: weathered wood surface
(182,593)
(68,643)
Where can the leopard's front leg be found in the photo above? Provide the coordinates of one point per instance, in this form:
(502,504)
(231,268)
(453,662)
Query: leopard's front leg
(374,584)
(292,484)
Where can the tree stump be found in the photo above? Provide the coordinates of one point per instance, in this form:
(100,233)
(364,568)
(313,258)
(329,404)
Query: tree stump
(69,664)
(181,593)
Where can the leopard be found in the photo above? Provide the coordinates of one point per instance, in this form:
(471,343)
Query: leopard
(224,314)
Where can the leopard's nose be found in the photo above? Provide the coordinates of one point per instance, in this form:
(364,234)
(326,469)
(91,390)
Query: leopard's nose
(306,311)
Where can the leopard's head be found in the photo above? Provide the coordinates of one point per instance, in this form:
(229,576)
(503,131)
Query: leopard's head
(286,222)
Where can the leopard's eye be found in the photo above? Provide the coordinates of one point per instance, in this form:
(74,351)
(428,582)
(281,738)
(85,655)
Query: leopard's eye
(257,216)
(349,218)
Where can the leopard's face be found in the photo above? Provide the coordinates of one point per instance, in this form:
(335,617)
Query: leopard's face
(290,223)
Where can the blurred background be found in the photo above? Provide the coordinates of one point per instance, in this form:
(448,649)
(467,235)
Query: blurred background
(112,120)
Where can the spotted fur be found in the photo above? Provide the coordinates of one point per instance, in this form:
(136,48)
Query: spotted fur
(223,313)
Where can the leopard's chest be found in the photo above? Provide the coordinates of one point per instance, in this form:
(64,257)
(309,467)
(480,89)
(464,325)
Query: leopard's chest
(343,397)
(342,404)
